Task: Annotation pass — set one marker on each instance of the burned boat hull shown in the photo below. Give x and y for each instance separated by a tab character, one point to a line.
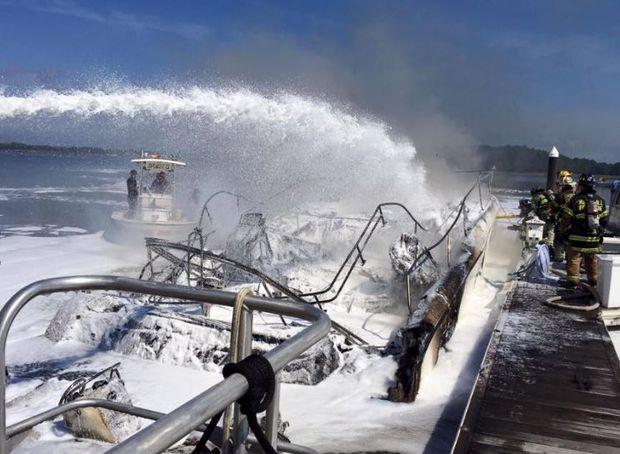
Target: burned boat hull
431	325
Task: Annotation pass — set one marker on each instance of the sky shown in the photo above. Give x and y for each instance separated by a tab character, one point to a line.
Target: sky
447	74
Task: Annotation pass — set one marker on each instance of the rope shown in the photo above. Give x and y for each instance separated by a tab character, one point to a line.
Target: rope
261	379
233	352
201	446
236	322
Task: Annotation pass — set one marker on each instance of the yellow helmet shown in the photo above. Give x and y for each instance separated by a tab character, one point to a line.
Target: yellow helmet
565	173
567	181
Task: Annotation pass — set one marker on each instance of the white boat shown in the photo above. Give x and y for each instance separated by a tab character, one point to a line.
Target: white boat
156	213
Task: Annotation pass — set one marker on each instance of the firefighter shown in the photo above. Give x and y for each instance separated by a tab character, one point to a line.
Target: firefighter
566	191
542	205
585	218
132	193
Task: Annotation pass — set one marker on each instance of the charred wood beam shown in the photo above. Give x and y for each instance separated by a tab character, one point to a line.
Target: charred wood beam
431	325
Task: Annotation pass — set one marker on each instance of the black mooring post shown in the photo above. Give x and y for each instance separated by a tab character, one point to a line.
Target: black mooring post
552	168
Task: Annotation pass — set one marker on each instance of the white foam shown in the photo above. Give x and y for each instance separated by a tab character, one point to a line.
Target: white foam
256	143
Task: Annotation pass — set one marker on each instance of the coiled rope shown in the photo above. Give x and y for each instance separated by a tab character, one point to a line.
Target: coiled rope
261	379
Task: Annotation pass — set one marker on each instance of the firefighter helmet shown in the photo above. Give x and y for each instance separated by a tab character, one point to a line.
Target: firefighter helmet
587	180
567	181
564	173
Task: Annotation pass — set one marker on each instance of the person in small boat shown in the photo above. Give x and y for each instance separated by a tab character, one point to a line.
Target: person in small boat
132	193
585	218
160	183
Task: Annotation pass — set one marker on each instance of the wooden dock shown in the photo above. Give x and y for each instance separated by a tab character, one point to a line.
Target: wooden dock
549	383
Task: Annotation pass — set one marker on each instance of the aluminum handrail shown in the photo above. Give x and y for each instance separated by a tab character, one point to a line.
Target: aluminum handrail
170	428
22	426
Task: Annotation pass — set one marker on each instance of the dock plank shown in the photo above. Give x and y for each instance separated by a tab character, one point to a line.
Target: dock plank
550	382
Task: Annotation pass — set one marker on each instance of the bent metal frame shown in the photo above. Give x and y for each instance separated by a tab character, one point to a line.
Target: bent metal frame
172	427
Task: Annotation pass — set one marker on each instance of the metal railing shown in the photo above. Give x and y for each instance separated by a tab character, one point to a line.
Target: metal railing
483	177
356	253
354	256
205	206
171	427
161	249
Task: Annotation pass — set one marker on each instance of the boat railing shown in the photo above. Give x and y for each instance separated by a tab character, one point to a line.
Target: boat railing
340	278
355	255
485	179
205	206
172	427
162	248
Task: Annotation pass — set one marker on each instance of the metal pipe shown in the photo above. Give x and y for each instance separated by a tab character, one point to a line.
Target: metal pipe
32	421
150	255
205	209
140	412
181	421
273	415
349	262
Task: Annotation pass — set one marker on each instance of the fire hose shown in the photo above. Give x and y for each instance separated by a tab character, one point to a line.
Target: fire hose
562	301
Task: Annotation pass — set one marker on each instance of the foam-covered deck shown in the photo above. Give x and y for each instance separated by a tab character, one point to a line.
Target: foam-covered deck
550	382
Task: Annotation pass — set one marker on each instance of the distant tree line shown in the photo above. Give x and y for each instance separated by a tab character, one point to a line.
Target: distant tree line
519	158
24	147
506	158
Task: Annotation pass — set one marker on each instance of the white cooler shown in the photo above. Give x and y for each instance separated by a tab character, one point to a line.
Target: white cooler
609	279
534	228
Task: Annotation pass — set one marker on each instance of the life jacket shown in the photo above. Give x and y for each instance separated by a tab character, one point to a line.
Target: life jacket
588	215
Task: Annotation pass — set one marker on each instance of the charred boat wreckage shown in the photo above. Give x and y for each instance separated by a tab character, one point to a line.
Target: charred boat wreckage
178	312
